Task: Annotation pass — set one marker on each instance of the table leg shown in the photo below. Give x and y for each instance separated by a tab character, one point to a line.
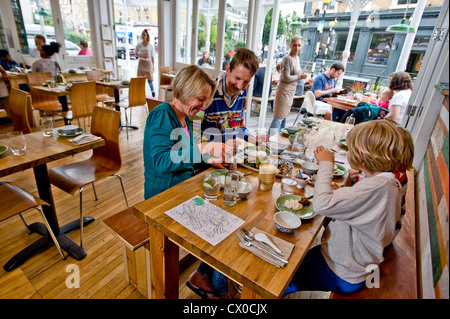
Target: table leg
117	100
65	106
164	260
66	243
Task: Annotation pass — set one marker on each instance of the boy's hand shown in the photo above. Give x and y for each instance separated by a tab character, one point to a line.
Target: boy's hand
322	154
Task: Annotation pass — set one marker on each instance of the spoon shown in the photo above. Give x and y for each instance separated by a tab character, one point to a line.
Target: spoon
262	238
251	237
248	244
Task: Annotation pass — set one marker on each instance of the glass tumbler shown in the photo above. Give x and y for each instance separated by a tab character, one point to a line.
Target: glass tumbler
17	143
46	125
211	186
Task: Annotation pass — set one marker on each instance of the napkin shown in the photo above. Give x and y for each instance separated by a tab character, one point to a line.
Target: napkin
286	248
84	139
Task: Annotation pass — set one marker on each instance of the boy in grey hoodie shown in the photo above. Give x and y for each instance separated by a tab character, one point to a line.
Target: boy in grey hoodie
363	217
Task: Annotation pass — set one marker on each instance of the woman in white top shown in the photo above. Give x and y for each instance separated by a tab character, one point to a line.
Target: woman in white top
401	84
146	54
46	64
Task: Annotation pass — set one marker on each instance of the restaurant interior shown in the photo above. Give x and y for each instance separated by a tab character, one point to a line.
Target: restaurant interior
74	220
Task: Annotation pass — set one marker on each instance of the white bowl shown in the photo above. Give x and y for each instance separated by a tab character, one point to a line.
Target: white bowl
310	168
69	129
292	129
301	182
287	222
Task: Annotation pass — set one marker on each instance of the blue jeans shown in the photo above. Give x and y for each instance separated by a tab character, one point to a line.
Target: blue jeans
151	88
218	280
276	125
314	274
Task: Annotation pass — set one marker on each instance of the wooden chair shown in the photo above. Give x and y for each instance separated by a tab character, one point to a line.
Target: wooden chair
20	110
36	79
104	162
162	79
136	97
152	103
14	201
101	91
83	101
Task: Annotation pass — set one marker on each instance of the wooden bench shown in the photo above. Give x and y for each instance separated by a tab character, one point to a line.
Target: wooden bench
398	271
134	234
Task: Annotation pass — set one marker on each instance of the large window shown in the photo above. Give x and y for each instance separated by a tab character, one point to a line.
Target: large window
183	53
340	46
207	33
76	27
380	47
327	45
235	26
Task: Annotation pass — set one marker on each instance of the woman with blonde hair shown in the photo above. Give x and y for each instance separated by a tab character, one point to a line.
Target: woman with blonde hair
171	155
289	76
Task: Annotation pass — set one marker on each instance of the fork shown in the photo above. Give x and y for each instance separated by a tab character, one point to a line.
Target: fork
248	244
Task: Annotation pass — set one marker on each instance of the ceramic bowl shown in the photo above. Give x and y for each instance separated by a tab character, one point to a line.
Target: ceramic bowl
292	129
244	189
310	168
301	182
277	148
69	129
287	222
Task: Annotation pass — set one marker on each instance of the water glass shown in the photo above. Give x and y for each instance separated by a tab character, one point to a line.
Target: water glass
349	123
211	186
230	192
16	142
288	184
46	125
309	154
299	143
339	133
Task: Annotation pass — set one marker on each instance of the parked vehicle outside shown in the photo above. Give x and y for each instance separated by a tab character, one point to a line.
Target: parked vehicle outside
121	51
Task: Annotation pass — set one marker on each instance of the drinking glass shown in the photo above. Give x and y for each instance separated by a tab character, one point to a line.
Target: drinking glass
46	125
230	192
339	133
349	123
299	143
288	184
309	154
16	142
211	186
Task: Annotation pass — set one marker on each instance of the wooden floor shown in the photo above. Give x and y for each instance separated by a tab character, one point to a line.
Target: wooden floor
102	270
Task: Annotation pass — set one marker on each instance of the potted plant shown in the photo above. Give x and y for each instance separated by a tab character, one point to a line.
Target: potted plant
357	88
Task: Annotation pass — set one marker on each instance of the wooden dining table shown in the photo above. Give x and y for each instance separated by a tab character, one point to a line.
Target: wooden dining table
259	278
41	150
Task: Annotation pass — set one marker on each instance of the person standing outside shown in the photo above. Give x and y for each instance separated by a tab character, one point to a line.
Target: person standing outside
289	77
146	54
39	41
226	112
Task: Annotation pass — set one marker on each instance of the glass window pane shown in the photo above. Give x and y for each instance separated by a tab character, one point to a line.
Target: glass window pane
37	21
379	48
235	26
207	32
76	27
184	32
340	46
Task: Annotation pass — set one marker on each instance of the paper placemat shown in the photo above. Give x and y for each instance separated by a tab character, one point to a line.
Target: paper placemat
286	248
205	219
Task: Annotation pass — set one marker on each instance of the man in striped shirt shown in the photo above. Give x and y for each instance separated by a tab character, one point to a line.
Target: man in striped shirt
224	118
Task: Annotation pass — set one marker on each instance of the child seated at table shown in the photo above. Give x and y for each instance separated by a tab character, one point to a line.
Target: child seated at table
386	96
363	216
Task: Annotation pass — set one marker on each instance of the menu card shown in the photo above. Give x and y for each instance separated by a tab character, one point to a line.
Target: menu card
205	219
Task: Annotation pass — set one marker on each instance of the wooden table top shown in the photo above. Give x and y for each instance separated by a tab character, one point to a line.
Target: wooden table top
343	104
40	150
58	91
257	211
113	84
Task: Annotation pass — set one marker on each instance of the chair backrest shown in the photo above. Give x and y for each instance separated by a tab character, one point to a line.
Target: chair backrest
105	123
152	103
19	108
136	93
83	99
46	102
94	75
165	80
309	103
38	78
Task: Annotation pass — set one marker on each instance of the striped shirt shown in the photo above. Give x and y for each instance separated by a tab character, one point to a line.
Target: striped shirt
225	114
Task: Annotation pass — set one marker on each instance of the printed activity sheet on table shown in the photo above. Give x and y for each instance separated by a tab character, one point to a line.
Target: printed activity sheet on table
205	219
